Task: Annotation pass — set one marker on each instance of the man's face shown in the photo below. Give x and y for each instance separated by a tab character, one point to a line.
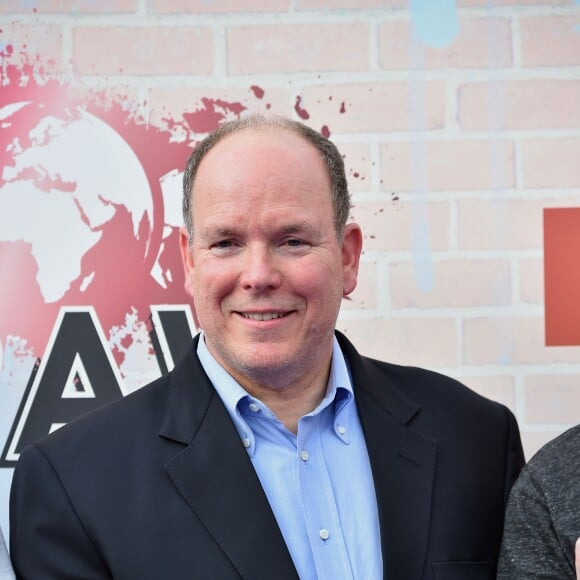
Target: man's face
265	268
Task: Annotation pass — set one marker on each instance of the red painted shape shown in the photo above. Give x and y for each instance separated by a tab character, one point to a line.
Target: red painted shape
258	91
302	113
119	266
562	276
213	112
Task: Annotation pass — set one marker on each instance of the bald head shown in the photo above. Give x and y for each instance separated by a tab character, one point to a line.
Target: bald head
328	152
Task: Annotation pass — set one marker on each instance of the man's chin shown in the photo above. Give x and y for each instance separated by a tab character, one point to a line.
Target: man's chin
275	369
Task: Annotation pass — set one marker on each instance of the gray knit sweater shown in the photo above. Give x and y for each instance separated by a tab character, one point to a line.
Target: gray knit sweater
543	514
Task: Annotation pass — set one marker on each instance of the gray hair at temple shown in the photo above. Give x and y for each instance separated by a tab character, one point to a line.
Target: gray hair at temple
327	149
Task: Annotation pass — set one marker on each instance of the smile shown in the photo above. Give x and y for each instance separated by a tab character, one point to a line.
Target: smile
262	315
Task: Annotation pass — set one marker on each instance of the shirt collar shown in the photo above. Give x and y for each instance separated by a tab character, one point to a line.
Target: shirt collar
339	390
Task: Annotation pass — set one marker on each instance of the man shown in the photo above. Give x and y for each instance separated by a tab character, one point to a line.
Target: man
543	515
273	450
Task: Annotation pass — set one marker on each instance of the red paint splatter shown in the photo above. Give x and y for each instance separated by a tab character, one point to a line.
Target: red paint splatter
127	341
325	131
302	113
258	91
342	108
115	274
211	114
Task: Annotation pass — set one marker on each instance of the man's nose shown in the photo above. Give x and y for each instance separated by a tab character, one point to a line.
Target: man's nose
260	270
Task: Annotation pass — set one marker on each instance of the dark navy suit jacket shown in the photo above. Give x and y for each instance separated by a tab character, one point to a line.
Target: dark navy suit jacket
159	485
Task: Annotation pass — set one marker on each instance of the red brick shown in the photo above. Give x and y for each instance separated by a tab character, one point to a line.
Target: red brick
486	3
349	4
531	104
550	40
533	441
364	296
510	340
531	281
553	398
440	165
456	284
504	224
298	48
389	225
357	165
498	388
169	103
372	107
154	50
29	43
427	342
69	6
217	6
468	50
551	162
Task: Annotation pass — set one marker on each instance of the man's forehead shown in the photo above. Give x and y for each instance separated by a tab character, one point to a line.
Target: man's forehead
248	136
230	158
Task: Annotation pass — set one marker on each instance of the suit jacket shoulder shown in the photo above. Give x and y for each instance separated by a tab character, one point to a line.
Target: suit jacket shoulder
443	461
156	485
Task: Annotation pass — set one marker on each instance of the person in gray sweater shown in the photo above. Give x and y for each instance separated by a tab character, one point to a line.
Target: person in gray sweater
542	521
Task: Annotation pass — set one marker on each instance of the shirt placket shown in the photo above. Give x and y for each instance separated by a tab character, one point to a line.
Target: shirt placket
319	503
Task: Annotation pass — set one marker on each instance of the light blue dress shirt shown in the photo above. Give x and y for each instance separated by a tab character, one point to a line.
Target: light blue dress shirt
319	481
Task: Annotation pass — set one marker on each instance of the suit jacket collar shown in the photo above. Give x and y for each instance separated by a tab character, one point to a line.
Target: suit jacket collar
215	476
402	461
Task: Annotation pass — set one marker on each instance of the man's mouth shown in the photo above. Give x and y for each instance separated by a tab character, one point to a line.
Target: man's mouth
262	316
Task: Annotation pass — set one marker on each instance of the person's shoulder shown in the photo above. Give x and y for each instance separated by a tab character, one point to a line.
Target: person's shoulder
426	384
122	420
412	380
557	447
560	454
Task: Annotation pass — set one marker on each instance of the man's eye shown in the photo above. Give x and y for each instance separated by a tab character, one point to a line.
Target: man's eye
294	243
223	245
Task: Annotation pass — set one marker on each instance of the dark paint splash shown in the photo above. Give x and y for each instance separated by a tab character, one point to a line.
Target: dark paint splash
211	114
302	113
258	91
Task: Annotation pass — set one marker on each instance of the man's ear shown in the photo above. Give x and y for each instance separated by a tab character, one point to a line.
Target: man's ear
187	260
351	251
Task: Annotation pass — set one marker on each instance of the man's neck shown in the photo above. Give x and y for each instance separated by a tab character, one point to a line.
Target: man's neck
293	402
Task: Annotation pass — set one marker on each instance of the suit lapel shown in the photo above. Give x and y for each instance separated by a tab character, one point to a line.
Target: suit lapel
215	476
403	465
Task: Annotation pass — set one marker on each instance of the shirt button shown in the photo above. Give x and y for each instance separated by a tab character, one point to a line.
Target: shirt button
304	455
254	407
324	534
246	442
341	429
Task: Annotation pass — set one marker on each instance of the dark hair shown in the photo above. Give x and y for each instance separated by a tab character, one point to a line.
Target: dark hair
328	152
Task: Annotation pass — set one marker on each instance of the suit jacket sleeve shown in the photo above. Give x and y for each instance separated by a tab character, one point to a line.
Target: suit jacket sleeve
47	540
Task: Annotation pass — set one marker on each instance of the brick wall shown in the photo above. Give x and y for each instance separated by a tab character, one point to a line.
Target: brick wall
452	152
